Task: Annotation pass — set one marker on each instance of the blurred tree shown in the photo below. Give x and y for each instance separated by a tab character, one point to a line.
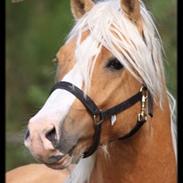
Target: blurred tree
34	32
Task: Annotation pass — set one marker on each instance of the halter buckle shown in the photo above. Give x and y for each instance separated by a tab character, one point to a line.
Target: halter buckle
98	118
142	116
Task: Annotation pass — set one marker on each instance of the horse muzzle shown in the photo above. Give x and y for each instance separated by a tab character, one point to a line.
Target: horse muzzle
43	143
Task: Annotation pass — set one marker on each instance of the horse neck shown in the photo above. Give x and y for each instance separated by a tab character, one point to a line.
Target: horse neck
148	156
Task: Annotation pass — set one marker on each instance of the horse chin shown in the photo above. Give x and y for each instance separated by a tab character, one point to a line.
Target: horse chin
63	163
66	162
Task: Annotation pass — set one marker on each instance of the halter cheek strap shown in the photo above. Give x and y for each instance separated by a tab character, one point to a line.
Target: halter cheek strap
99	115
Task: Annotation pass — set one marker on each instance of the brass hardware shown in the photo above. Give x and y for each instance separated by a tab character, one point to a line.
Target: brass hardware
98	119
142	116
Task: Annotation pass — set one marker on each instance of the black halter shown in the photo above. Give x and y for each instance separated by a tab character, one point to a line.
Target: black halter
99	115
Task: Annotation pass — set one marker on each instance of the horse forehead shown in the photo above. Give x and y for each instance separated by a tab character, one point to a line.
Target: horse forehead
69	47
67	58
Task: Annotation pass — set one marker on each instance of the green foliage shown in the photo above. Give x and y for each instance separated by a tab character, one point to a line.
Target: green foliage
35	29
164	13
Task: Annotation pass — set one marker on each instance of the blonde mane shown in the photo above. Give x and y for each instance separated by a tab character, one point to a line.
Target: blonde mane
142	56
109	27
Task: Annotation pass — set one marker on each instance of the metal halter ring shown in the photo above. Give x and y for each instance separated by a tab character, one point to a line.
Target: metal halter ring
98	119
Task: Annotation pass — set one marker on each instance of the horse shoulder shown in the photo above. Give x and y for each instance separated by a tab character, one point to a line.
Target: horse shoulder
36	173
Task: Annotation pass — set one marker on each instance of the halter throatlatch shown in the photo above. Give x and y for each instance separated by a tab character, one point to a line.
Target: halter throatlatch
99	116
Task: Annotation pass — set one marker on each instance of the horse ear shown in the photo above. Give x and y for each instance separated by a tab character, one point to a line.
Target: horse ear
132	9
80	7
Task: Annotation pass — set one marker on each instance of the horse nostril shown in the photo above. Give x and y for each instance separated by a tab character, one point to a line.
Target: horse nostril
27	134
51	135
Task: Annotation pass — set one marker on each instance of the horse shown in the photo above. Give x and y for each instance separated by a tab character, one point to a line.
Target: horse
109	114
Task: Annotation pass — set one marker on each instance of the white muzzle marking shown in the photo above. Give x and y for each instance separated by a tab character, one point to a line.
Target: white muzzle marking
60	101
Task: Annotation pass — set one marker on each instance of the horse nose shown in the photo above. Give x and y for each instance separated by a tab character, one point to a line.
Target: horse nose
50	135
41	132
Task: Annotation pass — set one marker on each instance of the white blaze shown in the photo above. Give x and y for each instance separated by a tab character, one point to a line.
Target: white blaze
60	101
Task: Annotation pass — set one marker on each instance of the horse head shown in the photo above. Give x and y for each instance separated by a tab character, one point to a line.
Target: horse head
111	52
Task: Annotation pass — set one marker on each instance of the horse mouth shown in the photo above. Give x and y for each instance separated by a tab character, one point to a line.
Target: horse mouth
59	162
63	161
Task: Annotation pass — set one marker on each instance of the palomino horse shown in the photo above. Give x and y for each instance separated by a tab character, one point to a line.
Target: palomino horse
110	112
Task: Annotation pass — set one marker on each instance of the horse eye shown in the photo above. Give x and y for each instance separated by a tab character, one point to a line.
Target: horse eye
114	64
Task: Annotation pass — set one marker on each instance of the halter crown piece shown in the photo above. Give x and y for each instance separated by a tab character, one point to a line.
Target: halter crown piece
99	115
